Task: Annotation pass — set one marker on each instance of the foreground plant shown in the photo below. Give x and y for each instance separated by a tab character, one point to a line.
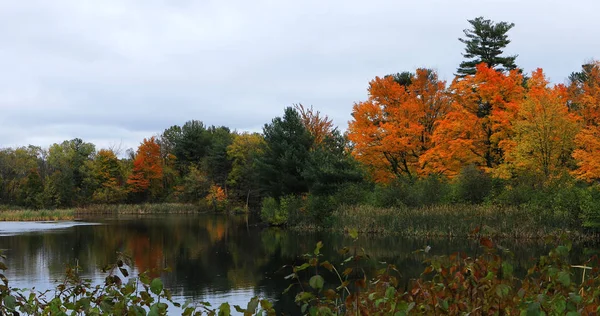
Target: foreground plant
120	294
456	284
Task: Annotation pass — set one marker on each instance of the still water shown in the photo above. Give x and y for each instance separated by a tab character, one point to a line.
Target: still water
213	258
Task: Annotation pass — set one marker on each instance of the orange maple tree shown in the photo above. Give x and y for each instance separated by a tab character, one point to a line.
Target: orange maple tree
474	131
394	127
147	170
585	98
318	126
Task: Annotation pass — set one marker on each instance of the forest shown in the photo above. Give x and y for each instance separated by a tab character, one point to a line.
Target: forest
496	135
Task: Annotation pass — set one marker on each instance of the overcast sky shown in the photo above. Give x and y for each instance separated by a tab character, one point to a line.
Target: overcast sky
114	71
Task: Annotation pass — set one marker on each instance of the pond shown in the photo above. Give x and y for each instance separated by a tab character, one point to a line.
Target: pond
213	258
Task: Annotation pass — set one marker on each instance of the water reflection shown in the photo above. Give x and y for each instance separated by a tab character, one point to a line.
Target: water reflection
214	258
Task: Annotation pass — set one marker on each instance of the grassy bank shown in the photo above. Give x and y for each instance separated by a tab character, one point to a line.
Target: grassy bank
15	214
452	221
146	208
37	215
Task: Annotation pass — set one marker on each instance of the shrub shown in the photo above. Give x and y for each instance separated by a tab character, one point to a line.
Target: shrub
319	209
271	213
472	185
352	194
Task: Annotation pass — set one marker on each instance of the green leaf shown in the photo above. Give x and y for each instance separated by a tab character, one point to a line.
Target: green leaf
10	302
318	248
301	267
224	310
507	270
389	292
316	282
560	305
252	305
156	286
564	278
502	290
575	298
353	233
303	308
239	309
533	309
304	297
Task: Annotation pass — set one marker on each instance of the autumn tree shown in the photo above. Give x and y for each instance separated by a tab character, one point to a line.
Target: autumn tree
319	126
475	129
244	153
108	177
485	43
393	128
584	92
147	173
544	130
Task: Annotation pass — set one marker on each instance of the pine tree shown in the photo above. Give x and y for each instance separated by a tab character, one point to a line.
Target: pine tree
485	43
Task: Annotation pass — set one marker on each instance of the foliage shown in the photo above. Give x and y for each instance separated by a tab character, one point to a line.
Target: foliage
120	294
146	177
393	128
286	150
244	152
543	130
485	43
271	212
472	185
454	284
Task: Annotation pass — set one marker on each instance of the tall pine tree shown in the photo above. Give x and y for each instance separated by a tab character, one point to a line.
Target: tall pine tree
485	43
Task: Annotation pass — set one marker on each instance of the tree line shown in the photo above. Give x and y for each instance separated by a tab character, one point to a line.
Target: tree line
493	120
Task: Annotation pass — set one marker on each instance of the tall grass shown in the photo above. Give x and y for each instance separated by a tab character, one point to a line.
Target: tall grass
37	215
146	208
453	221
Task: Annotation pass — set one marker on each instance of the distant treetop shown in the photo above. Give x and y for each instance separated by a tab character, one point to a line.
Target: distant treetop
485	42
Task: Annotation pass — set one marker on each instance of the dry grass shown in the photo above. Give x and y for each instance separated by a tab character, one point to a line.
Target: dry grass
452	221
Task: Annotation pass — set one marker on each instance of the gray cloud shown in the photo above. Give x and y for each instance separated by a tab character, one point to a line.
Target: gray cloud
114	71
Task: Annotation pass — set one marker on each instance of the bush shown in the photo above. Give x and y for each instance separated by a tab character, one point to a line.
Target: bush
319	209
292	206
287	211
271	213
352	194
472	185
387	195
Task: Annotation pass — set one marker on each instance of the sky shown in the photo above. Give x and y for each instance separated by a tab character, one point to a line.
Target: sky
113	72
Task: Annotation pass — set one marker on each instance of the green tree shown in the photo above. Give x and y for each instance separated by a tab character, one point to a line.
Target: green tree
485	43
67	172
215	162
330	165
287	146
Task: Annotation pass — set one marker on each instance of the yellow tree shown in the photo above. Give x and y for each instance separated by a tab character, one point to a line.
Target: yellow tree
544	130
479	122
393	128
109	177
584	93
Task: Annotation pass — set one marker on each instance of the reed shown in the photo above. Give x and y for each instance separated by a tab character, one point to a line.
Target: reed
454	221
37	215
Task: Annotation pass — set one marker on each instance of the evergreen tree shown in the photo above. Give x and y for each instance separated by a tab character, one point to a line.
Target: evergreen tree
287	146
485	43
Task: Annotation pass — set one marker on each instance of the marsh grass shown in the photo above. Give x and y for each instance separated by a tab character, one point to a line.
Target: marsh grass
454	221
146	208
37	215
